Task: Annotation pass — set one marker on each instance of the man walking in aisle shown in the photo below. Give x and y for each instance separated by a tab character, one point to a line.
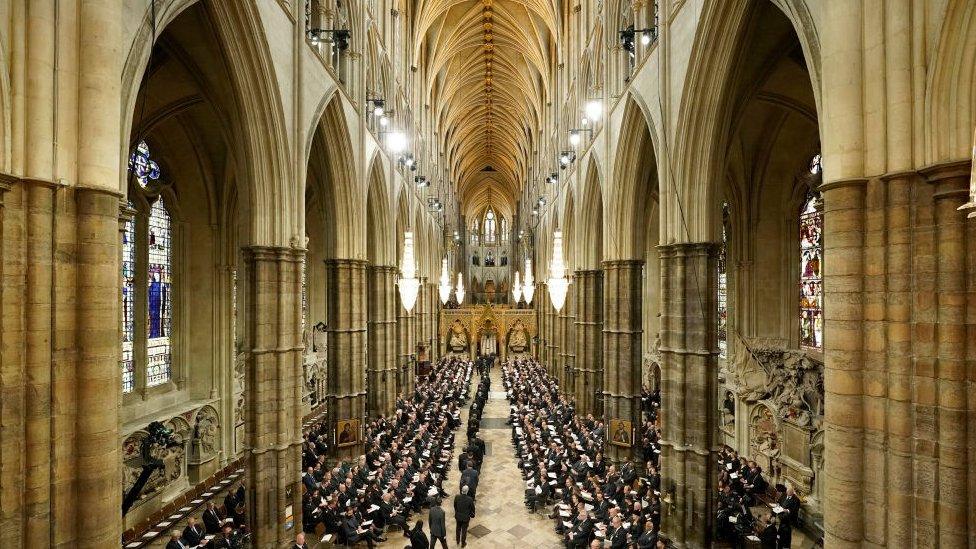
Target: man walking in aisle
463	513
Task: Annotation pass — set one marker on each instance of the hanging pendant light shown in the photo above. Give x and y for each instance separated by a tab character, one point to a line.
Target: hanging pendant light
971	205
558	284
459	290
528	289
517	288
445	286
409	284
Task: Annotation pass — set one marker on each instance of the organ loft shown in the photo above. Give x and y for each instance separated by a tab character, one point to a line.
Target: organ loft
507	273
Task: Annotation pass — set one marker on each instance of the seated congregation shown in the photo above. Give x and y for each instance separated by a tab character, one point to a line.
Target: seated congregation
596	504
407	458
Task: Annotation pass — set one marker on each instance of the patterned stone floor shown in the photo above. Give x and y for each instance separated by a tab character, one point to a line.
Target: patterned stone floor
501	519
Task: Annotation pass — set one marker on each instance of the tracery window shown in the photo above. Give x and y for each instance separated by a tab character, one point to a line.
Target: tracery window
160	299
723	285
147	255
490	227
811	267
128	302
304	297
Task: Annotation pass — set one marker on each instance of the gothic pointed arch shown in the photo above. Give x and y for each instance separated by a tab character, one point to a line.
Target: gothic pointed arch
590	235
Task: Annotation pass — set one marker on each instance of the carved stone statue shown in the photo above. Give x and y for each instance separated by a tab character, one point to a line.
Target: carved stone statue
207	431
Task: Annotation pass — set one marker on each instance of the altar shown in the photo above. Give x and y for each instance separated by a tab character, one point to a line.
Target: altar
487	329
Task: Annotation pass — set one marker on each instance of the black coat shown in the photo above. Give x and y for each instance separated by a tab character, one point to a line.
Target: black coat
463	508
418	539
193	536
211	521
438	528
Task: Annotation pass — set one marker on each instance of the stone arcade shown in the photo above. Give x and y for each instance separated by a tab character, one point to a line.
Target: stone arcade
213	212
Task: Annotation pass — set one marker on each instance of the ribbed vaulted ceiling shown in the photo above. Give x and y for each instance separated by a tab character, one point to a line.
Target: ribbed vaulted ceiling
488	81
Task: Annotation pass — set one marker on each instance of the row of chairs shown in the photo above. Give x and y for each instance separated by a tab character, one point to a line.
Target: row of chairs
180	501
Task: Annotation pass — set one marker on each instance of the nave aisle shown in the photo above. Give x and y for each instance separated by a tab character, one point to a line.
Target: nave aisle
501	518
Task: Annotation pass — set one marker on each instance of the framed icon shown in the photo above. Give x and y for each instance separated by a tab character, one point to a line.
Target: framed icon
347	432
621	432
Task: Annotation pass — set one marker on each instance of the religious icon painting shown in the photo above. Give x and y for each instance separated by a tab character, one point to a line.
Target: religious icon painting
621	432
347	432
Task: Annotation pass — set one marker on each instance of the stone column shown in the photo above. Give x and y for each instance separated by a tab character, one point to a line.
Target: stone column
433	297
898	355
561	342
381	344
551	343
689	352
404	347
569	340
420	319
843	362
347	345
949	375
589	341
12	361
94	462
274	391
622	332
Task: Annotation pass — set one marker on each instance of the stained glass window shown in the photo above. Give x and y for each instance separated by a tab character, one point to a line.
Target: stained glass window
474	232
160	298
144	168
811	272
304	297
128	303
504	231
815	164
490	227
233	308
723	286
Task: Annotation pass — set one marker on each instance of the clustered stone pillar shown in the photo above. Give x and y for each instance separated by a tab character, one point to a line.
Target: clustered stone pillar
405	348
570	341
589	341
689	352
565	338
274	411
381	341
347	346
551	333
540	314
622	332
900	274
433	312
420	319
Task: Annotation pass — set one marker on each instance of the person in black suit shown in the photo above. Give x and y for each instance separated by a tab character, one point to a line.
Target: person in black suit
300	541
648	539
469	478
225	540
579	536
418	539
174	541
438	526
212	519
193	533
617	534
791	502
463	513
768	535
308	479
784	535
